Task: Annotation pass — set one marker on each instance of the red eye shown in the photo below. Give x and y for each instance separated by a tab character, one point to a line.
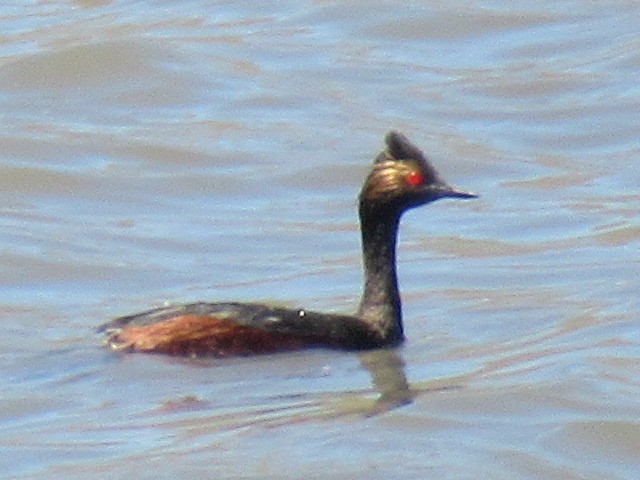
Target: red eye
414	179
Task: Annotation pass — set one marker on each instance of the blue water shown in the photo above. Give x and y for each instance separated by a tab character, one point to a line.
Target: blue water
184	151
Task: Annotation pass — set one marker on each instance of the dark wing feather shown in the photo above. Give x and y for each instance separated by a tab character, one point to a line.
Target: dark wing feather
342	331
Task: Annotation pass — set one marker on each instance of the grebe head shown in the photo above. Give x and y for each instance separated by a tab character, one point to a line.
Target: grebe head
403	178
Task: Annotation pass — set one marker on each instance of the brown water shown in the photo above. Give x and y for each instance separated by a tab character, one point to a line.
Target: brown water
171	151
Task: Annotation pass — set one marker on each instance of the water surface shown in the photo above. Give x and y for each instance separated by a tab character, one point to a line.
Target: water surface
184	151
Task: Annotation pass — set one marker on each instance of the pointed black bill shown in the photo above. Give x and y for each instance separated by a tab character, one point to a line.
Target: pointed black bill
447	191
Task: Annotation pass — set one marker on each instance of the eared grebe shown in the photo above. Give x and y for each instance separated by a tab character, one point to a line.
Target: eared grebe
401	178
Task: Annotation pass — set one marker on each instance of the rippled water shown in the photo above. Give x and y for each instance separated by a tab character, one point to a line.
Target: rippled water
178	151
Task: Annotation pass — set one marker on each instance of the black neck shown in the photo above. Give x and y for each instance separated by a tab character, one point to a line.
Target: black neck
380	306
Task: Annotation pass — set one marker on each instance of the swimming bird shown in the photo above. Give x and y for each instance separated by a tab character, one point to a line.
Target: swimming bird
400	179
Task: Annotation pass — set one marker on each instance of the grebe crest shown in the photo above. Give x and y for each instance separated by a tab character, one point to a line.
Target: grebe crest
403	178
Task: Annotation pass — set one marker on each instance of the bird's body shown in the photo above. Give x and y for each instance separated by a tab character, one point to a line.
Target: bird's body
401	178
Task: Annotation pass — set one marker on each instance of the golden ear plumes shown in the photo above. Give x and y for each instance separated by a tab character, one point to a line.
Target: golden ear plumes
386	180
